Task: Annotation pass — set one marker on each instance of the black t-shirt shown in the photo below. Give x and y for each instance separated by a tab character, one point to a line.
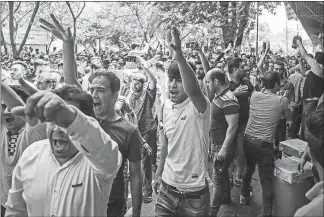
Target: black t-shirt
243	100
130	142
314	86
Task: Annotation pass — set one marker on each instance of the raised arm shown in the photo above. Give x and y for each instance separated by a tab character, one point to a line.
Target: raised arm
189	81
203	57
261	61
151	78
315	66
69	62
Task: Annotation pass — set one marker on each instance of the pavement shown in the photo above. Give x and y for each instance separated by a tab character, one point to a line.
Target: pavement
253	209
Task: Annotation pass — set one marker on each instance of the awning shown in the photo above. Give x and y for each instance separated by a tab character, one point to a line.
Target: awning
311	16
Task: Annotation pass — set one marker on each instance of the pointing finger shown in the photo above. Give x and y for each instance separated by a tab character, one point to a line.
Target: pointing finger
18	111
28	87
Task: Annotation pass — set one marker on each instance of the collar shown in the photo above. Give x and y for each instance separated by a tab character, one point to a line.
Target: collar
315	191
10	134
180	105
222	92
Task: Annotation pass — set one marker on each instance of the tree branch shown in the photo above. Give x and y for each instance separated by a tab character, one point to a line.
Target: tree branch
13	12
69	6
81	10
31	21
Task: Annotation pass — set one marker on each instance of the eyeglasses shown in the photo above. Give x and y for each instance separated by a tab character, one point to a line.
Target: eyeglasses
50	82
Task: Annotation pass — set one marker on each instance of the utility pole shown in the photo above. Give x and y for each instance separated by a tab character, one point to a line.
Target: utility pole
286	33
257	33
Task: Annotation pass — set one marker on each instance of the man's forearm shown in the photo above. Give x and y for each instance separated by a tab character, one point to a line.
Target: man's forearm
151	78
164	153
69	64
204	61
136	191
189	81
230	136
9	97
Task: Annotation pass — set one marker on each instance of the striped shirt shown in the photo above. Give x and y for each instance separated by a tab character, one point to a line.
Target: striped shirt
223	104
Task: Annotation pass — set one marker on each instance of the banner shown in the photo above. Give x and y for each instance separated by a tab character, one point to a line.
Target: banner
36	36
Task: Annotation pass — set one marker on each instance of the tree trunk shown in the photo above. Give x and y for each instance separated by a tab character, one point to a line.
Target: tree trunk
244	18
3	41
49	45
226	27
30	24
11	29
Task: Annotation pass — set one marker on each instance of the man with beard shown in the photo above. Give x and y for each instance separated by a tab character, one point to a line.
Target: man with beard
183	169
16	136
242	89
141	99
71	172
104	87
224	122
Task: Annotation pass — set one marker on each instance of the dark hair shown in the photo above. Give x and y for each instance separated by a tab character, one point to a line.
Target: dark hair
76	94
315	125
234	63
112	77
270	79
319	57
218	74
20	92
174	71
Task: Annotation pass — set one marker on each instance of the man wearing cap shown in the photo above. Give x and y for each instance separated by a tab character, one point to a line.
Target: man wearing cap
141	100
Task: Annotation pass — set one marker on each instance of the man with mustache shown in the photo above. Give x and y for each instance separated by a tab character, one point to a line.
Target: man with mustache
71	172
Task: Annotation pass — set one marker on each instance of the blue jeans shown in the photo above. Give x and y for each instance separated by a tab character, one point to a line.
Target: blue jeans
221	179
259	152
173	203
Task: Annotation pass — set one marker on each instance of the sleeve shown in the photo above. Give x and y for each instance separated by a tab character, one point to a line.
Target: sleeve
230	107
16	205
285	106
96	145
135	144
250	86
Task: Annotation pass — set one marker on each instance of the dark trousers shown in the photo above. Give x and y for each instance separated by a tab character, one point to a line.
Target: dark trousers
221	180
308	107
295	122
3	211
116	208
172	203
147	161
259	152
281	132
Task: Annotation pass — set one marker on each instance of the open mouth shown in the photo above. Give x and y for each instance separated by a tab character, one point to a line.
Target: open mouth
60	144
9	120
172	92
96	104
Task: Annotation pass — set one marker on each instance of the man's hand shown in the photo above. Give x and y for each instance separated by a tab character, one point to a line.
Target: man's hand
174	41
229	47
241	89
147	149
157	183
301	165
141	62
222	154
56	29
45	106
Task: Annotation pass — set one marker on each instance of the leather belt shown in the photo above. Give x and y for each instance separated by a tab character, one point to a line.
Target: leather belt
192	195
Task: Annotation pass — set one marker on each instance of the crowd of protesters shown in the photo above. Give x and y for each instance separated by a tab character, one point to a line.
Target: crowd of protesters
78	130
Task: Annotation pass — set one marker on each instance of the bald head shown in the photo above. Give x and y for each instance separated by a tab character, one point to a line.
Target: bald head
218	74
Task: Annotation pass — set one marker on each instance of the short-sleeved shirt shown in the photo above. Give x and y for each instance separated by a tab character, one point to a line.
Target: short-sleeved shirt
187	131
243	100
266	109
130	142
223	104
11	148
